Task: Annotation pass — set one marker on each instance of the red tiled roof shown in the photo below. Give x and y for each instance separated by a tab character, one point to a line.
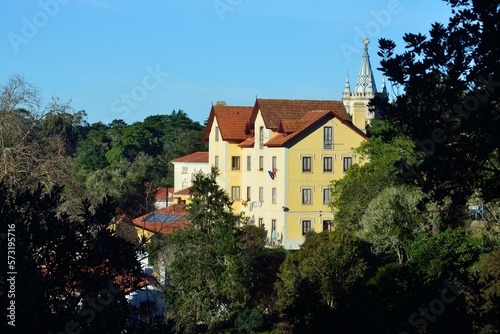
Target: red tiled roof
163	221
249	142
290	129
183	192
274	111
232	121
163	193
201	157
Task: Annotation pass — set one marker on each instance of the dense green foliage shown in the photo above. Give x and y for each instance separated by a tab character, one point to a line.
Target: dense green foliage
321	279
405	255
211	265
129	162
70	272
449	107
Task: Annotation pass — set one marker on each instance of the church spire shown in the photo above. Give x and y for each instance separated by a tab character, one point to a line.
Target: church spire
347	87
384	88
366	82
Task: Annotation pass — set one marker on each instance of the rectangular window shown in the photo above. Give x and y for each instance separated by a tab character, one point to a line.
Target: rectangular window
273	225
327	225
327	164
306	226
184	169
261	163
306	196
273	195
249	163
216	133
347	162
327	137
306	164
249	191
261	194
216	164
235	163
261	222
261	137
273	164
235	193
327	195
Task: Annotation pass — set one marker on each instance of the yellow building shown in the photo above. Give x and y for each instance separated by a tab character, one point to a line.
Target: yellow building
277	158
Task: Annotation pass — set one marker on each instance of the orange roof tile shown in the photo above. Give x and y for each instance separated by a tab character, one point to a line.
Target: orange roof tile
183	192
163	221
290	129
201	157
163	193
274	111
232	121
249	142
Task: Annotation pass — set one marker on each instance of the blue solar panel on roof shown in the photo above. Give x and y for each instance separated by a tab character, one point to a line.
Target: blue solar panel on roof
160	218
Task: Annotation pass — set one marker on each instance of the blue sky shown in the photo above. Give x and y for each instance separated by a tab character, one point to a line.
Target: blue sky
129	59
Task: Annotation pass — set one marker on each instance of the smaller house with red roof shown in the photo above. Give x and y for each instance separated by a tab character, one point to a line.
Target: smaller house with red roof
186	167
164	197
162	221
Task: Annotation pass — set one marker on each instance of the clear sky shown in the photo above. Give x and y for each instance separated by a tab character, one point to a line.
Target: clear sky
128	59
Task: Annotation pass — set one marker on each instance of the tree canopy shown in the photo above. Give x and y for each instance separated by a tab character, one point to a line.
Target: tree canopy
70	272
449	105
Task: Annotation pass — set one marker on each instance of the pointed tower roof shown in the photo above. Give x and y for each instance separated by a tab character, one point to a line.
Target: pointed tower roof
366	82
347	87
383	90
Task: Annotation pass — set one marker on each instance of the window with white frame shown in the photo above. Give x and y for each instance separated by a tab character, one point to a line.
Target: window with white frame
235	193
306	226
217	133
249	191
249	162
327	137
216	163
261	163
235	163
327	195
273	195
327	164
274	163
261	222
261	194
184	169
306	164
306	195
346	163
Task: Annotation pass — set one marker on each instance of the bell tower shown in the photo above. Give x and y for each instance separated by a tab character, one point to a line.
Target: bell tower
356	102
